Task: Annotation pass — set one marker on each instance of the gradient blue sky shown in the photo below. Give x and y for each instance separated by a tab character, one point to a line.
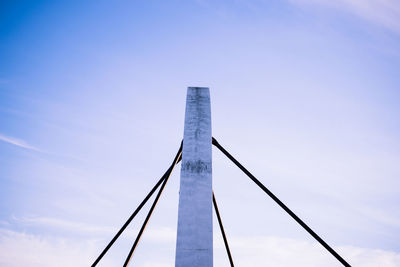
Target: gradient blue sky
304	92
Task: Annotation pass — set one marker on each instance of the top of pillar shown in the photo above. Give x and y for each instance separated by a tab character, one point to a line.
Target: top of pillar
195	92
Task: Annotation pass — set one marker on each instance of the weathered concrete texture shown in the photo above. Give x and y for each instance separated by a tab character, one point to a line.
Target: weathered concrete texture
194	246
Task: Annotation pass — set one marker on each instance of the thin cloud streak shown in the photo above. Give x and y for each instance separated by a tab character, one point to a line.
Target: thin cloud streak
279	251
155	234
385	13
43	251
17	142
247	251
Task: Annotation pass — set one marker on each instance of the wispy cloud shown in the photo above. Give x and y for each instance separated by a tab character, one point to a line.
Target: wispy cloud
247	251
380	216
279	251
385	13
65	225
158	234
17	142
43	251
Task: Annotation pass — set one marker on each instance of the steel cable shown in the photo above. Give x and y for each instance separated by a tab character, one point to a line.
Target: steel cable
281	204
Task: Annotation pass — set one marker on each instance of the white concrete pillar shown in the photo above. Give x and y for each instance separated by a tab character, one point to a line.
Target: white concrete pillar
194	245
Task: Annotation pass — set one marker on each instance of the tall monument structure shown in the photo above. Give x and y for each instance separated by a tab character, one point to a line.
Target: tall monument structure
194	245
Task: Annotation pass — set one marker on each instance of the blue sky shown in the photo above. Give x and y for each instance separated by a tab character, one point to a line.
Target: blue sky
304	93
